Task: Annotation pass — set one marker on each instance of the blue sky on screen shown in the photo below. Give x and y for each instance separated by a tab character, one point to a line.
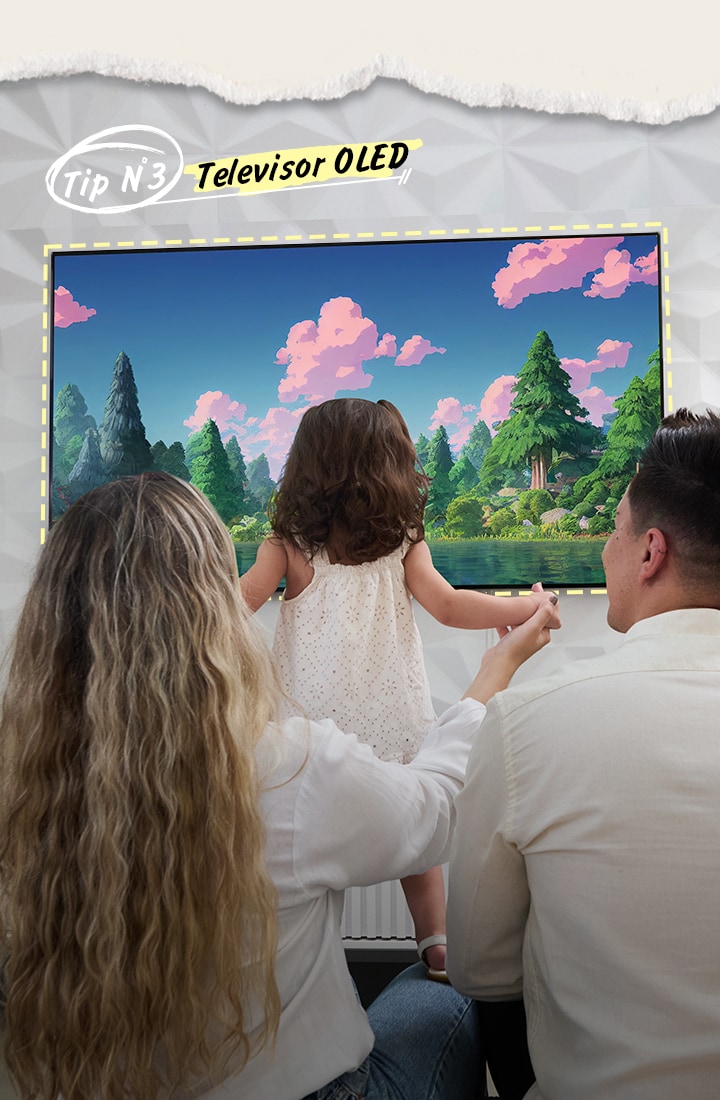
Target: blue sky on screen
252	336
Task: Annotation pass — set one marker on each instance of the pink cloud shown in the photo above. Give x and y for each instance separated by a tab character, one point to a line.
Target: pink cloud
495	404
558	263
215	405
597	402
272	436
414	351
452	415
387	346
648	267
68	311
610	353
619	271
328	356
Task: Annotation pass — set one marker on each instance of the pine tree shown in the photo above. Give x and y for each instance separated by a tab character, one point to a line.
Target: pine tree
170	459
70	422
545	417
464	475
438	466
210	471
175	463
422	446
630	431
158	452
250	505
477	444
89	470
71	415
439	454
259	480
653	383
123	445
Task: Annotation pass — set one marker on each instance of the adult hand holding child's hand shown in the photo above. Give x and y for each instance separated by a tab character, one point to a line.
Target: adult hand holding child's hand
501	661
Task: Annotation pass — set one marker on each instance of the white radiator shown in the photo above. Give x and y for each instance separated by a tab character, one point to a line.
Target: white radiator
377	913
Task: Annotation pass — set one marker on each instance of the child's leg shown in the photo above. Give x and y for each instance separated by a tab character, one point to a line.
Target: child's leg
425	895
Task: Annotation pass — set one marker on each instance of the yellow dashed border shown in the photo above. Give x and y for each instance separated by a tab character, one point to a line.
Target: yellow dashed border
409	234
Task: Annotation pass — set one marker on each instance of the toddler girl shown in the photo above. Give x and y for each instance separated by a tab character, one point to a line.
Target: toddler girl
348	538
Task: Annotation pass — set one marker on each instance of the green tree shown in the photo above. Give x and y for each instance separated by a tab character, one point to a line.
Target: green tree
439	454
502	522
250	504
532	504
653	381
422	446
70	422
464	476
158	452
466	516
71	416
259	481
64	458
175	461
596	492
210	471
545	417
630	432
170	459
495	474
477	444
438	466
89	469
123	445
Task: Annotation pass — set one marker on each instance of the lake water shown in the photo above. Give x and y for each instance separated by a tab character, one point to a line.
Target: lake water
502	563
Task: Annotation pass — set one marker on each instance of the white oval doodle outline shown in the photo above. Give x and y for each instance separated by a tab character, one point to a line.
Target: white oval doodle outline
89	144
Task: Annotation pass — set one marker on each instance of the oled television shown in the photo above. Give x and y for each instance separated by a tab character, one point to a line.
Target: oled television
528	370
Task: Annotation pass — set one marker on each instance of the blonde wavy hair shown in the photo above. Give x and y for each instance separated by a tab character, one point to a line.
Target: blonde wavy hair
139	919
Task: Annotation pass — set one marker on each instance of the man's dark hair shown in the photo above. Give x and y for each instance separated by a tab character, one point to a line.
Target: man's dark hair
677	489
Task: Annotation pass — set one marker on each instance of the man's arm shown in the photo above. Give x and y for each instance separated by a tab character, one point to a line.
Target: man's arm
488	897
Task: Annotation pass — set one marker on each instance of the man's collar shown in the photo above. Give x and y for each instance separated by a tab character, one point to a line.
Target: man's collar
683	620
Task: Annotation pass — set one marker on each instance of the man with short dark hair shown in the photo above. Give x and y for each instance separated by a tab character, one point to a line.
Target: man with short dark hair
585	875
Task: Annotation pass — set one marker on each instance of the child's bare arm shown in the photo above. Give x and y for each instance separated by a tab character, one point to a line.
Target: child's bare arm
501	661
462	607
263	577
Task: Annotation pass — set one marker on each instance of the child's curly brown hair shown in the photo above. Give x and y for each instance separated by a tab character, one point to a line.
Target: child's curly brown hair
351	479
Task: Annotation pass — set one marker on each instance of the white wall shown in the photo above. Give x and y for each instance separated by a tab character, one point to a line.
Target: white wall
655	50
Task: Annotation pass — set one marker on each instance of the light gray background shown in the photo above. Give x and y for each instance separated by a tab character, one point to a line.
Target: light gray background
478	167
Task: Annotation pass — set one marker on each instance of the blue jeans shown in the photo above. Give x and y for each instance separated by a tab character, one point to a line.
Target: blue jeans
427	1046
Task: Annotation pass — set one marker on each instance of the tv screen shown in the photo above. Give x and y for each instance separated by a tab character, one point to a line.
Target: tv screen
528	370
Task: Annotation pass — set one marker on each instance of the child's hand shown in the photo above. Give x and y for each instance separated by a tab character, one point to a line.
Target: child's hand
501	661
536	599
522	641
538	595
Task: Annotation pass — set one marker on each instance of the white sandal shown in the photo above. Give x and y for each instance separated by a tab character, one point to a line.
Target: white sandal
432	941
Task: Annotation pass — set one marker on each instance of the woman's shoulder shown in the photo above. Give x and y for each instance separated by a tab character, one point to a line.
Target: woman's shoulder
297	747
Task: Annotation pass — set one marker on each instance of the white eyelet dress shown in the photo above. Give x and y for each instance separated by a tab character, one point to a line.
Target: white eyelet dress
348	649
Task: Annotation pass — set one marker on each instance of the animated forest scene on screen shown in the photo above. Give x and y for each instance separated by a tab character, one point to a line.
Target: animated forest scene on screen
528	371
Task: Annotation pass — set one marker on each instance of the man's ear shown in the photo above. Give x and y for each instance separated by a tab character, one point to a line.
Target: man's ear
655	554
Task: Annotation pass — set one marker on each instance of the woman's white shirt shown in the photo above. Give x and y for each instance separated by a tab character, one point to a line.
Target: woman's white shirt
337	816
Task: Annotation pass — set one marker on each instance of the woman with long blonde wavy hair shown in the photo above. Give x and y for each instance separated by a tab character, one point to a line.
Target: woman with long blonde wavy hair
172	861
137	906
